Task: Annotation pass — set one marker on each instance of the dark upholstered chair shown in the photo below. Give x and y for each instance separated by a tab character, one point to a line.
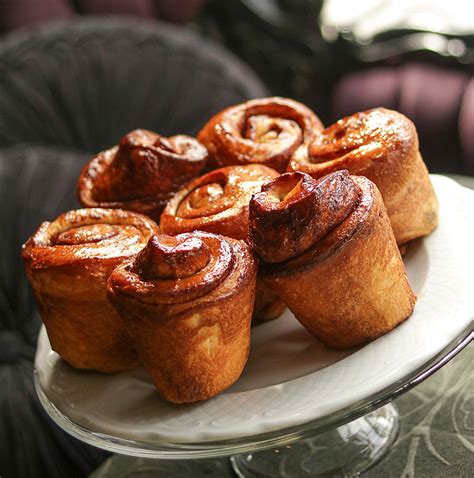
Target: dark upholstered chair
65	92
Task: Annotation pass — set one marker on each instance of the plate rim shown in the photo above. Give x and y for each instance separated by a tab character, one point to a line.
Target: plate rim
260	441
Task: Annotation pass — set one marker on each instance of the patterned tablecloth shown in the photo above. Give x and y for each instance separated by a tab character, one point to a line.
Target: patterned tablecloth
436	426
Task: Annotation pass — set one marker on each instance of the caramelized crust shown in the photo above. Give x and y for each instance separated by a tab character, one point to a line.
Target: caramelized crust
265	131
141	173
68	262
218	202
381	145
187	301
287	207
343	278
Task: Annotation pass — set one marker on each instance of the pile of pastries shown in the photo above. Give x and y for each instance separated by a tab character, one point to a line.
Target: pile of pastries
183	242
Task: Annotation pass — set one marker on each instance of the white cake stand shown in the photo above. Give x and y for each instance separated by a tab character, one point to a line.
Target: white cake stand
318	411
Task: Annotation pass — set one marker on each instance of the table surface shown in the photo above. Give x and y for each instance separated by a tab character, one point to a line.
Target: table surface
436	436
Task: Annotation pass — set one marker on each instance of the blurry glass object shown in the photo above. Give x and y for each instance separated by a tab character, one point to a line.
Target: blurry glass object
383	29
415	57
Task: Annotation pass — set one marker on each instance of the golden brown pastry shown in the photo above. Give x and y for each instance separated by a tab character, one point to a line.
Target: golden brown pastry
381	145
141	173
68	262
187	301
328	250
218	202
265	131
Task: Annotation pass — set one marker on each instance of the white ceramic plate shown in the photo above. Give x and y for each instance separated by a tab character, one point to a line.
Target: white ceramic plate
290	378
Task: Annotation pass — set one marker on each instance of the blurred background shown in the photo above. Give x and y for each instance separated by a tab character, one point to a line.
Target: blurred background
75	75
337	56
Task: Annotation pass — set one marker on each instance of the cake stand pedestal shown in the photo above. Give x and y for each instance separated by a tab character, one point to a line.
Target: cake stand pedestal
343	451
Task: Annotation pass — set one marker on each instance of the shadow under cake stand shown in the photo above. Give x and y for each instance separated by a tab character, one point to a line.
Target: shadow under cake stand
299	409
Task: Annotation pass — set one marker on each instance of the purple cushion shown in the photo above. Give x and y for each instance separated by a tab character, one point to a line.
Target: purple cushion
466	126
432	96
139	8
22	13
363	90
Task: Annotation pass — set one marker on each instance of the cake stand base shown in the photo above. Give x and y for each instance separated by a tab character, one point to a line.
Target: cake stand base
124	466
344	451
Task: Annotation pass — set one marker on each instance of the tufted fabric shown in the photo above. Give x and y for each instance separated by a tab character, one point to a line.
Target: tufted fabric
87	83
66	92
35	184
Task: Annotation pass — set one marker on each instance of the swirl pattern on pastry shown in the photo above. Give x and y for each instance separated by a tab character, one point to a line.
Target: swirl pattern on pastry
216	202
265	131
328	250
89	234
68	262
381	145
187	301
287	207
141	173
173	268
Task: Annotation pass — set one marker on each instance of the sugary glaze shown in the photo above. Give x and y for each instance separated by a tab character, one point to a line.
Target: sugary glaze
297	220
171	269
381	145
187	301
88	234
332	256
264	131
141	173
358	139
178	270
216	202
294	211
68	262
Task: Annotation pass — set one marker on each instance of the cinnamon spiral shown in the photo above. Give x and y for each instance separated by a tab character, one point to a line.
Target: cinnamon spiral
381	145
68	262
187	301
265	131
293	212
328	250
219	202
216	202
141	173
177	269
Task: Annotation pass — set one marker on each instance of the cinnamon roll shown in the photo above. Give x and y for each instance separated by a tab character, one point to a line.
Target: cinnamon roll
381	145
68	262
141	173
265	131
187	301
327	248
218	202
